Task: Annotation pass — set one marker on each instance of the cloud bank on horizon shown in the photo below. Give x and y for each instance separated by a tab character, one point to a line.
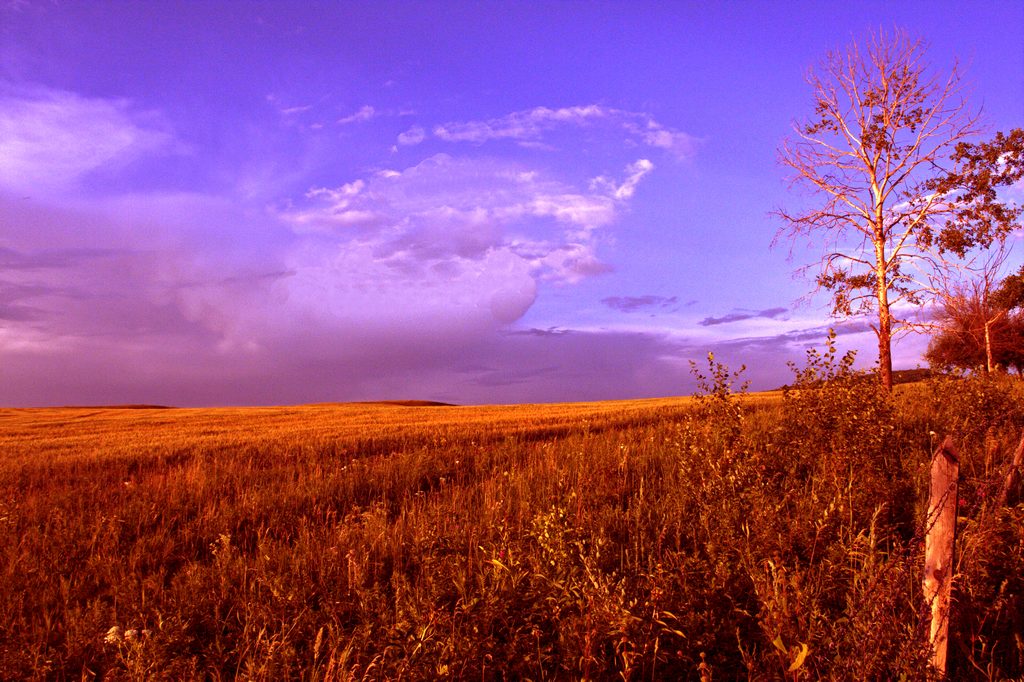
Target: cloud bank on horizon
281	244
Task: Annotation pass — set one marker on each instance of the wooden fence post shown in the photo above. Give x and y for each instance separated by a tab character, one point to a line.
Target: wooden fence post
940	527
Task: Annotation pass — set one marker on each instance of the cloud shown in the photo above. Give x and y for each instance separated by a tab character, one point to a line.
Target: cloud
185	297
15	301
769	313
802	336
471	239
365	113
152	269
520	125
413	136
631	304
680	144
510	303
448	214
533	331
185	313
346	365
637	170
529	127
53	138
621	192
12	260
390	281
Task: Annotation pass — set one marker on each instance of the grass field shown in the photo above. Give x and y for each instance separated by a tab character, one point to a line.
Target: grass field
761	537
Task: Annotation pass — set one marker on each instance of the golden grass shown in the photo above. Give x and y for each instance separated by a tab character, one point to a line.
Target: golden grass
86	432
386	541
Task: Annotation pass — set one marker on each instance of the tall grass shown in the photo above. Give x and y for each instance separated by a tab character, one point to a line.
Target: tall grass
728	536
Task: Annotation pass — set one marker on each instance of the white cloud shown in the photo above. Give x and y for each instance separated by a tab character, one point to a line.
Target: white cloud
320	221
529	126
637	170
358	284
455	226
413	136
503	191
365	113
585	212
520	125
680	144
570	263
52	138
340	194
621	192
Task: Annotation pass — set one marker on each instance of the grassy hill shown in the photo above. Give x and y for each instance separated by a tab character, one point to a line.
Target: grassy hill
632	539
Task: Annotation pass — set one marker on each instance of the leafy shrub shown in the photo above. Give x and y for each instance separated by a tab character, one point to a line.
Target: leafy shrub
718	399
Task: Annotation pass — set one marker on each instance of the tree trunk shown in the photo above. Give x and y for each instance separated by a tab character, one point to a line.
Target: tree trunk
989	364
884	320
988	347
885	350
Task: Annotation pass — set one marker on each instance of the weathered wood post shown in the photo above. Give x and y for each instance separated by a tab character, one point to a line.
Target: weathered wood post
940	527
1016	464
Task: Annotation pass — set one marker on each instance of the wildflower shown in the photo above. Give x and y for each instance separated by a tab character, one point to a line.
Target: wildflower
131	635
113	635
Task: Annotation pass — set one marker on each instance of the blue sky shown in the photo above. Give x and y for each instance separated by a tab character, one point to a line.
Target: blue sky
280	202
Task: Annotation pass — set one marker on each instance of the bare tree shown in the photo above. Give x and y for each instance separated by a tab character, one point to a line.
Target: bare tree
979	320
884	157
969	311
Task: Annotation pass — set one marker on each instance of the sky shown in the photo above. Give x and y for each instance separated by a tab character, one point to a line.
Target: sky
237	203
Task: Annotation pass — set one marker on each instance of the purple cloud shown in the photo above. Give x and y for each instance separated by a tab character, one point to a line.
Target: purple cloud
47	258
769	313
632	304
794	338
205	305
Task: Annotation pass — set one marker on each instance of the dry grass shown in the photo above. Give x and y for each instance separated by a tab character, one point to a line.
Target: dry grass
383	541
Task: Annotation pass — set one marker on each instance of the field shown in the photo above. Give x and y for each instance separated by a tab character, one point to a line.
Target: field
720	537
